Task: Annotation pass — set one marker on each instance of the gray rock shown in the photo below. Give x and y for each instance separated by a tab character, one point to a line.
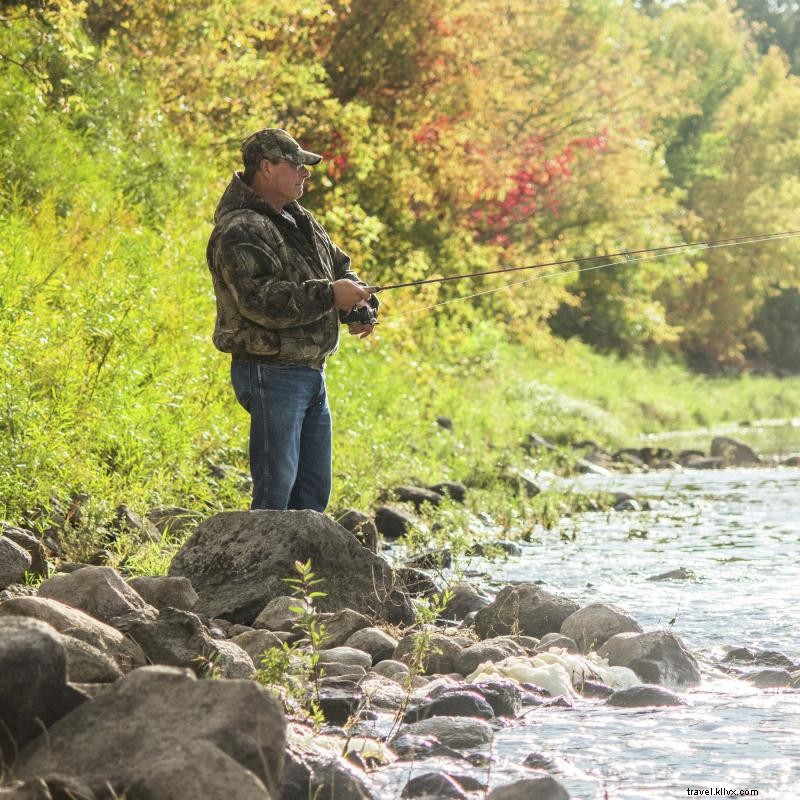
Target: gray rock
504	697
341	625
417	496
679	574
433	784
125	652
33	683
361	526
527	609
417	582
339	699
237	562
337	780
438	656
87	664
333	669
438	559
127	521
466	599
703	462
16	590
771	678
493	650
458	733
645	695
280	614
384	692
557	640
733	452
101	593
395	670
543	788
29	541
174	519
452	489
254	643
15	561
165	592
346	655
393	522
198	769
232	661
592	625
454	703
117	737
374	641
657	657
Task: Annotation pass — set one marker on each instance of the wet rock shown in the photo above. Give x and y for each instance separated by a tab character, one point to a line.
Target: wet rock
237	561
198	769
346	655
339	700
341	625
416	582
374	641
541	761
679	574
30	542
254	643
594	689
431	785
337	780
771	679
657	657
162	592
703	462
543	788
101	593
466	599
87	664
125	653
127	521
592	625
501	545
33	683
733	452
628	505
765	658
116	737
455	491
454	703
645	695
458	733
526	608
434	559
174	519
280	614
557	640
494	650
361	526
439	655
504	697
393	522
15	561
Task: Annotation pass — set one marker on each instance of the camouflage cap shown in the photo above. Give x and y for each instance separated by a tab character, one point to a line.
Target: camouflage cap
274	143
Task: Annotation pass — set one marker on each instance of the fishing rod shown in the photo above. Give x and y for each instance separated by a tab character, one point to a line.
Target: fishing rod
628	254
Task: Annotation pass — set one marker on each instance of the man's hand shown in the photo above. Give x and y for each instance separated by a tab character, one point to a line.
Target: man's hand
360	330
348	294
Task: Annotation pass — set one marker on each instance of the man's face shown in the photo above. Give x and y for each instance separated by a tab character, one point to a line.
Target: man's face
286	179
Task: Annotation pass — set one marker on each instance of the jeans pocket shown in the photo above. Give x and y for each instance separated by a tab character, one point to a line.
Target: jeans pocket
241	378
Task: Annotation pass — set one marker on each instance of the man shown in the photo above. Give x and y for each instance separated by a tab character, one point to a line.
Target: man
280	284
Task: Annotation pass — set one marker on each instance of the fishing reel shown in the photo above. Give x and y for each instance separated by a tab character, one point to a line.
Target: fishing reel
362	315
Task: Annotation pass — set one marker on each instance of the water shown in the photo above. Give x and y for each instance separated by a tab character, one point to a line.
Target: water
737	531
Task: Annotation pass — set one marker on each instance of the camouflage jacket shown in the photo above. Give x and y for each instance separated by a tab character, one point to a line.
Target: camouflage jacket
272	280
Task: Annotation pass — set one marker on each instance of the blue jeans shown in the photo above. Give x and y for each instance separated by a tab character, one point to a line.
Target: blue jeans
290	434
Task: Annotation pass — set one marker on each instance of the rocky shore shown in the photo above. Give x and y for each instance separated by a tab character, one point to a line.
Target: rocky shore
222	679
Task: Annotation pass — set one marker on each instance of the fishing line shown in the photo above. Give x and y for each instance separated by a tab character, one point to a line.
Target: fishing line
652	253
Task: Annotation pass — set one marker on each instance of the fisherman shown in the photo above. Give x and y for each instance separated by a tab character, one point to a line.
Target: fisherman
282	287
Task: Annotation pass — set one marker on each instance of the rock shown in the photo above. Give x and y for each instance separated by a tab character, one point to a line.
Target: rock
280	614
374	641
544	788
628	505
466	599
393	522
361	526
15	561
341	625
433	559
87	664
470	658
519	480
395	670
433	784
417	496
237	562
644	695
492	549
333	669
163	592
592	625
504	697
33	684
679	574
526	608
533	442
791	461
416	582
254	643
733	452
174	520
444	422
657	657
127	521
771	678
117	737
28	541
702	462
458	733
198	769
454	703
101	593
339	699
557	640
16	590
346	655
587	466
594	689
540	761
337	780
455	491
231	661
126	653
767	658
438	654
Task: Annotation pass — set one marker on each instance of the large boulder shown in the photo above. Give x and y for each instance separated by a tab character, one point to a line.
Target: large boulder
733	452
164	592
33	683
592	625
79	625
459	733
658	657
237	562
526	609
15	561
436	651
101	593
118	737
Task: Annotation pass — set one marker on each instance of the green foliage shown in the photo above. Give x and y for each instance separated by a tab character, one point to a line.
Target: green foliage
778	322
